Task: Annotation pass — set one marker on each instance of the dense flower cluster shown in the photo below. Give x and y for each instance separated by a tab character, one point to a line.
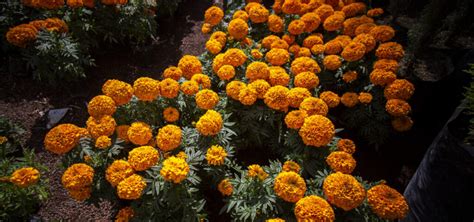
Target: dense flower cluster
24	34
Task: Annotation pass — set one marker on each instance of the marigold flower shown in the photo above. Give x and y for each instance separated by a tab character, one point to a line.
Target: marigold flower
250	5
213	46
365	40
80	194
260	86
334	22
257	70
25	177
294	49
258	13
3	139
234	57
219	36
397	107
349	76
354	9
382	77
277	98
387	65
174	169
332	47
402	123
295	119
296	27
340	161
146	89
131	188
279	44
21	35
330	98
324	11
143	158
375	12
382	33
289	186
139	133
238	28
311	21
351	24
313	208
317	131
213	15
364	28
169	137
171	114
303	52
210	124
118	171
290	39
233	89
256	171
304	64
203	80
103	142
55	25
346	145
278	76
291	166
275	220
169	88
189	87
248	96
241	15
256	54
124	214
350	99
318	49
296	95
206	28
353	52
225	187
226	72
77	176
207	99
120	92
399	89
190	65
332	62
291	6
386	202
390	50
343	191
314	106
312	40
216	155
269	40
277	56
275	23
365	98
62	138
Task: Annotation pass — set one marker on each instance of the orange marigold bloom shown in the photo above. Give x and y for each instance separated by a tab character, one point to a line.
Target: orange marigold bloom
234	57
103	142
397	107
291	6
169	88
210	124
118	171
295	119
257	70
25	177
365	98
277	98
103	126
304	52
226	72
279	44
314	106
386	64
256	171
258	14
390	50
101	105
120	92
307	80
353	52
277	57
312	40
330	98
291	166
260	86
277	5
62	138
256	54
247	96
190	65
314	208
317	131
381	77
311	21
295	48
289	186
171	114
332	62
80	194
173	72
296	95
343	191
350	99
349	76
169	137
174	169
278	76
241	15
340	161
131	188
77	176
354	9
238	28
304	64
375	12
351	24
124	214
402	124
216	155
21	35
275	23
386	202
367	40
213	46
290	39
250	5
122	131
213	15
399	89
332	47
333	22
296	27
203	80
318	49
382	33
269	40
146	89
364	28
189	87
206	28
324	11
233	89
143	158
346	145
225	187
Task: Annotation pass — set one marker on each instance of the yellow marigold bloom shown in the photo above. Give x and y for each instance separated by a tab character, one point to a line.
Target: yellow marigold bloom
313	208
80	194
21	35
350	99
277	57
131	188
146	89
3	140
248	96
77	176
219	36
207	99
103	142
256	54
216	155
275	23
318	49
317	131
256	171
340	161
387	65
294	49
118	171
307	80
241	15
397	107
275	220
382	33
120	92
382	77
365	98
296	95
332	62
182	155
62	138
314	106
390	50
311	21
351	24
364	28
365	39
173	72
312	40
324	11
304	64
174	169
296	27
257	70
278	76
143	158
349	76
171	114
295	119
330	98
213	15
289	186
233	89
354	9
206	28
225	187
343	191
258	13
332	47
234	57
291	6
189	87
399	89
291	166
260	86
124	214
169	88
238	28
203	80
139	133
402	124
387	203
213	46
210	124
25	177
277	98
333	22
290	39
375	12
353	52
190	65
346	145
226	72
169	137
304	52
